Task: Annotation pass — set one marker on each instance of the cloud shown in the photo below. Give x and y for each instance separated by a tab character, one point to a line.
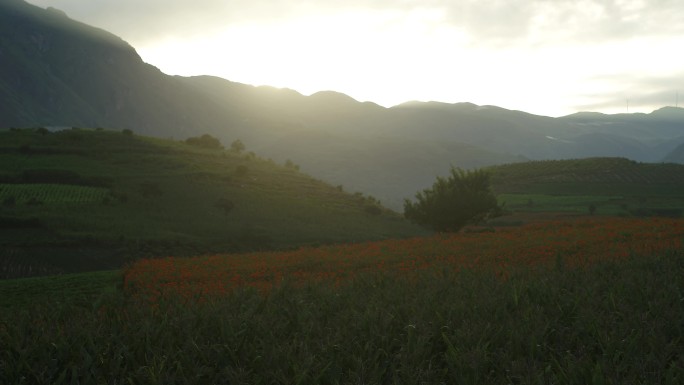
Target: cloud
563	21
491	22
144	20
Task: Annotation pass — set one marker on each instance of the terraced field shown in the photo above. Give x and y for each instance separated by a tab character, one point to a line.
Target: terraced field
22	194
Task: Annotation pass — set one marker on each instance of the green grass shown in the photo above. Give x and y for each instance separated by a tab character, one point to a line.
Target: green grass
66	290
614	186
604	204
539	202
614	323
599	170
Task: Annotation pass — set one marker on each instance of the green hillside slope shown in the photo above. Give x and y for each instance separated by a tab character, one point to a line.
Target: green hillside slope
609	185
79	200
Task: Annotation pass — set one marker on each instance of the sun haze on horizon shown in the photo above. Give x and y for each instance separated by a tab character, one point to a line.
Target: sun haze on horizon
547	58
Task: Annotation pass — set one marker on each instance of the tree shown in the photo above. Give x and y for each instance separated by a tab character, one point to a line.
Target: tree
462	198
237	146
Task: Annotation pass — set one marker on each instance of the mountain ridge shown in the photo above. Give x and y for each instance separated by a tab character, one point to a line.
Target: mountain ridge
104	83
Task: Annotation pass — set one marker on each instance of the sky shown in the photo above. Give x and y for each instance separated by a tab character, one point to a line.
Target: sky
547	57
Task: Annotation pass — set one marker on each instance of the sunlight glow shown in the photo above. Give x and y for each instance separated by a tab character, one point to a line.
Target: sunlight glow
390	57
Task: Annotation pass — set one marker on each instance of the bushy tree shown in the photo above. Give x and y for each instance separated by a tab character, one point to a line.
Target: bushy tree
463	198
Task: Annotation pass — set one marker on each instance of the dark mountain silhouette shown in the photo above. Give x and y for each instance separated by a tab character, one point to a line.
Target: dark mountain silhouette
55	71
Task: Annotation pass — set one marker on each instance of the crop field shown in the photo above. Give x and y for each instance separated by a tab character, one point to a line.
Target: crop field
589	301
571	244
51	193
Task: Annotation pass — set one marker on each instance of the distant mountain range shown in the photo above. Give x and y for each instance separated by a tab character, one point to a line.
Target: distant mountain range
55	71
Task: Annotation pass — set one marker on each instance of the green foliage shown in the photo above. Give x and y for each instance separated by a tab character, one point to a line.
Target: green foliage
127	132
205	141
462	198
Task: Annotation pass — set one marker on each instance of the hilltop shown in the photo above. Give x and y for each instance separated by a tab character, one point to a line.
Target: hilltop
80	199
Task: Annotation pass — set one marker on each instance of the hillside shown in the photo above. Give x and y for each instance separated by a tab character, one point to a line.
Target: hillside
81	199
590	175
55	71
607	186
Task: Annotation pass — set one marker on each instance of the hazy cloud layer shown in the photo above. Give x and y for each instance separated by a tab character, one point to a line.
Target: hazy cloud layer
486	21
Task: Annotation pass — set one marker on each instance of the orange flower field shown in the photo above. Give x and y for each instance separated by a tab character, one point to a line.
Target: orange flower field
570	244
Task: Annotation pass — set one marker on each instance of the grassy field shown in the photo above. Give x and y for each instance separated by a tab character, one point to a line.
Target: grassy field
613	205
67	290
84	200
595	301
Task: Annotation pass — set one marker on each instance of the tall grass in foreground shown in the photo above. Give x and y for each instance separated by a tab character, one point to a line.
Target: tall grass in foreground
614	321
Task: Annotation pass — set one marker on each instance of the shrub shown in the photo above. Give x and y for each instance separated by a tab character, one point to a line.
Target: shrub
463	198
205	141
